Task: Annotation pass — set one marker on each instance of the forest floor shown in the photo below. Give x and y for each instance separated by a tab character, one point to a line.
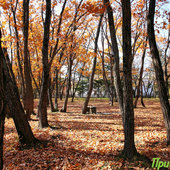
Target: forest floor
91	141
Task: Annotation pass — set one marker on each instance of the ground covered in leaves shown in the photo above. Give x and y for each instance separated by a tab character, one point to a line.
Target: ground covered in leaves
91	141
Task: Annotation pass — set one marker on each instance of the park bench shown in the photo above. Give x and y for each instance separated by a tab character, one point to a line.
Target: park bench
91	110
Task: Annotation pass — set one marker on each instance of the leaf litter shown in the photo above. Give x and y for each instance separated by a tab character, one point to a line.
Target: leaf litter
91	141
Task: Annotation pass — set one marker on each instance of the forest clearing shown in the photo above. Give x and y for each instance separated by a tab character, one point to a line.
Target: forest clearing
91	141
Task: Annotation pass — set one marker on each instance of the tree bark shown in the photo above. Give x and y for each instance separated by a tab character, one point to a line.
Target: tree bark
11	98
42	108
125	96
2	122
158	69
29	96
112	80
141	91
18	54
129	144
167	76
61	89
75	90
104	72
84	110
2	106
140	77
106	82
50	96
71	57
56	89
64	108
115	56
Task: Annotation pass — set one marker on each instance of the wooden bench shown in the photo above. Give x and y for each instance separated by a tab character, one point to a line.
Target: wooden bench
91	110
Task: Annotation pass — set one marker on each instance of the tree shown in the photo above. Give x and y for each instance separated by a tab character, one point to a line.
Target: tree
10	96
115	55
71	56
109	90
158	68
12	99
42	107
68	87
129	145
13	9
84	110
140	77
29	97
125	95
78	82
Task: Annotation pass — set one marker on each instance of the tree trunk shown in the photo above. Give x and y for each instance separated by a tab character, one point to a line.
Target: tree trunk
62	89
106	81
56	90
125	96
115	56
64	108
42	108
167	76
2	106
43	103
2	122
74	92
50	96
70	63
104	72
18	55
29	96
140	77
82	68
84	110
11	97
158	69
141	91
112	81
129	145
74	88
37	88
